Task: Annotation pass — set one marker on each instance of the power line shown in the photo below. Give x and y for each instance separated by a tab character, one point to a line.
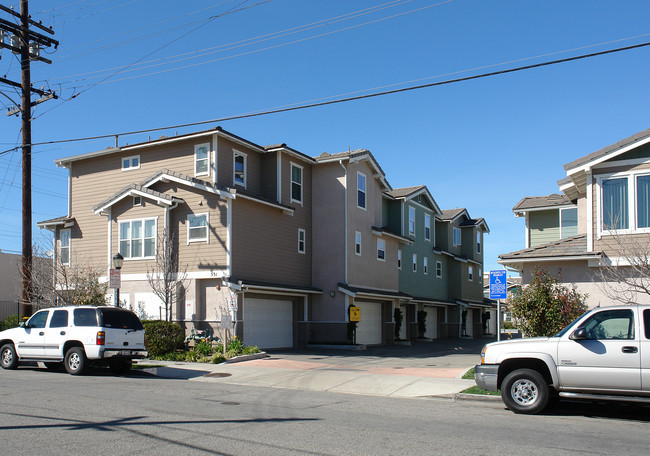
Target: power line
344	100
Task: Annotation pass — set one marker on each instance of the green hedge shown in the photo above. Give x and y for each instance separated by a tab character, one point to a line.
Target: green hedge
163	337
10	322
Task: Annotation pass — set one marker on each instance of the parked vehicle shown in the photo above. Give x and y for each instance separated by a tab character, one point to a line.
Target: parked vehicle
602	355
75	337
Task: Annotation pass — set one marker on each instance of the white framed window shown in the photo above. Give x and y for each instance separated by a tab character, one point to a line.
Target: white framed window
302	240
427	227
64	247
357	243
361	190
296	183
470	273
415	262
202	159
239	168
381	250
137	201
480	274
137	238
623	203
425	265
439	269
457	236
568	222
411	221
478	241
130	163
399	260
197	227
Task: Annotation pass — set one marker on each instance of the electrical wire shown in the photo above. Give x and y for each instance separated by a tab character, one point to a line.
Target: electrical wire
347	99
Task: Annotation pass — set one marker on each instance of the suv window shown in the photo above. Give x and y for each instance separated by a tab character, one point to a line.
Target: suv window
646	323
85	317
611	324
119	318
38	320
59	319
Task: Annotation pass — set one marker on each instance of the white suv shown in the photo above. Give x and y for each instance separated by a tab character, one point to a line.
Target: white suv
75	337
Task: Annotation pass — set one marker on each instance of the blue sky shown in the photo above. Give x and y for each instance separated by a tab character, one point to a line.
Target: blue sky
481	144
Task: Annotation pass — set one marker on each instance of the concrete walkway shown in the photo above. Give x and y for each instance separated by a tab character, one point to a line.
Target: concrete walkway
423	369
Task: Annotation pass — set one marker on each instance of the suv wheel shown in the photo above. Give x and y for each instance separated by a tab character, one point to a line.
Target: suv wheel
8	357
525	391
75	361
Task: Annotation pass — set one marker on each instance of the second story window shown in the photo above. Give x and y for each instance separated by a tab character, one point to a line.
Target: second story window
568	222
296	183
415	263
470	273
399	260
197	228
411	221
615	204
439	269
357	243
239	168
302	242
457	236
64	247
478	242
138	238
425	265
202	160
129	163
427	227
361	190
381	250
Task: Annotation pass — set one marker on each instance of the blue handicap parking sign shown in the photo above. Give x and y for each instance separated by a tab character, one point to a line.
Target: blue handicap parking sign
498	284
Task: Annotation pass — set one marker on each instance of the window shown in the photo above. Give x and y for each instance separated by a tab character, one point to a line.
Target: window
615	204
59	319
85	317
138	238
202	159
301	240
137	201
439	269
38	320
478	242
129	163
624	202
427	227
381	250
411	221
643	201
470	273
197	228
425	266
64	248
357	243
361	190
296	183
415	262
239	168
457	236
399	260
568	222
610	324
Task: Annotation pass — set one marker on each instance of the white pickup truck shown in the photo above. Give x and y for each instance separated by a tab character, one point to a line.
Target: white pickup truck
602	355
75	337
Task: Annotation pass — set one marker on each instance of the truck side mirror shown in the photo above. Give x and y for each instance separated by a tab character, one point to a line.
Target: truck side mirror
579	334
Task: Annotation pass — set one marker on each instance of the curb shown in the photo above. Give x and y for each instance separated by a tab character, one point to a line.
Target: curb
358	347
240	358
476	397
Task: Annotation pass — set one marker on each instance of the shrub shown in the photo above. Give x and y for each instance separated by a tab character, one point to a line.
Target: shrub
10	322
192	356
163	337
235	345
217	358
251	350
232	353
204	347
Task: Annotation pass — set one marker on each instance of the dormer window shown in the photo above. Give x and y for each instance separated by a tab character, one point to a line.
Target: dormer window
202	160
129	163
239	168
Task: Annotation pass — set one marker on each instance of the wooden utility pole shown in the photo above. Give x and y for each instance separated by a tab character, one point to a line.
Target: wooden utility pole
26	45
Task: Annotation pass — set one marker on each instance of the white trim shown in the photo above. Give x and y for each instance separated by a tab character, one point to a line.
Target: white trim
302	183
69	231
527	233
470	273
357	234
130	159
414	265
164	177
383	249
548	259
632	222
438	276
208	159
143	220
109	246
592	163
214	163
229	238
205	239
543	208
235	153
590	213
365	191
427	239
304	241
69	192
425	265
134	192
415	219
616	163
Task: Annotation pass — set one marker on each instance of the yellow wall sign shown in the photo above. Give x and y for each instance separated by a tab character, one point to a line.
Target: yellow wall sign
355	313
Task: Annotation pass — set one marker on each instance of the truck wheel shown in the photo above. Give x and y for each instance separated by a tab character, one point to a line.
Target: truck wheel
8	357
75	361
525	391
120	367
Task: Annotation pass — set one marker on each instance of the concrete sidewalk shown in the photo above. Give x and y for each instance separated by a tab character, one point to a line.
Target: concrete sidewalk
424	369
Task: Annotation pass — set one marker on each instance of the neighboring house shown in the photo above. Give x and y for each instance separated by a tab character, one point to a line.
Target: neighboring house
285	241
10	284
604	209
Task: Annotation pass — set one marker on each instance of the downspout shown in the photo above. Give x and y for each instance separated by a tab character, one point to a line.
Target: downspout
345	218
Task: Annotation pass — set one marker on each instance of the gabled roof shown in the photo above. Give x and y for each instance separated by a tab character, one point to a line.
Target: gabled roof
449	215
64	222
529	203
412	192
136	190
475	222
354	156
572	248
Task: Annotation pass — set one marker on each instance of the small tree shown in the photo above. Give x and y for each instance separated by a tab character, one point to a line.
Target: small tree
165	276
544	307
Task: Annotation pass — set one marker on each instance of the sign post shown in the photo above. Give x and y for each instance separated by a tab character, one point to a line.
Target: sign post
498	291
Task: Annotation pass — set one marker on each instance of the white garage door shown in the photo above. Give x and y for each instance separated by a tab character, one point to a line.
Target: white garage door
268	323
431	322
369	328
